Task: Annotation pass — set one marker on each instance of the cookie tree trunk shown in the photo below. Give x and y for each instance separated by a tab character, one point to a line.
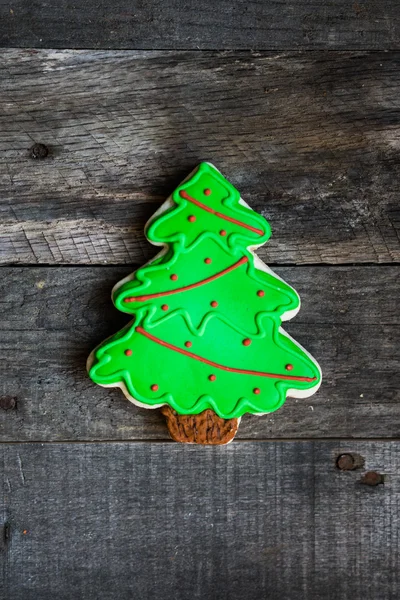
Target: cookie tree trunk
204	428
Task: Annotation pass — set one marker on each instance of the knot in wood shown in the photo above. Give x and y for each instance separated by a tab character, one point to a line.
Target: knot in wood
38	151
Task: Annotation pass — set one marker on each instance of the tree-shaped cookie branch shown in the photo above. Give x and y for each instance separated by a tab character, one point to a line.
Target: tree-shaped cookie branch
206	341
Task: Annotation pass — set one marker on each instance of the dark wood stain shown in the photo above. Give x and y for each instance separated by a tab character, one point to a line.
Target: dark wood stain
154	24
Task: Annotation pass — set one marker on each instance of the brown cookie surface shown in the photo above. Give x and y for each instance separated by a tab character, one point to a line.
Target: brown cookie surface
206	428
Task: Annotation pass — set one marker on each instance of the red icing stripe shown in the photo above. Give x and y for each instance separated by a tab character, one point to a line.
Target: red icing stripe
237	264
186	196
218	366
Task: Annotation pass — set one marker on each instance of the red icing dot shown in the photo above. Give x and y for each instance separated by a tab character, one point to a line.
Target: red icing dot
128	352
188	344
246	342
260	293
212	377
191	218
207	192
165	307
207	261
289	367
154	387
222	232
174	277
214	303
256	391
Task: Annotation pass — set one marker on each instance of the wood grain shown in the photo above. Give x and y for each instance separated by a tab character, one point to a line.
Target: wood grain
253	520
154	24
311	140
51	318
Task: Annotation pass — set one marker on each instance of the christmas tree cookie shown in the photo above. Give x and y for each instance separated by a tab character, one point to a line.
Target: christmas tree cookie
205	342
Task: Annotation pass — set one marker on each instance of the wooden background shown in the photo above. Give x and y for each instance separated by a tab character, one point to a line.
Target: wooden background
298	105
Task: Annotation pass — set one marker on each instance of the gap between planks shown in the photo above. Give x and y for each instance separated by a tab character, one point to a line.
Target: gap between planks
339	440
138	266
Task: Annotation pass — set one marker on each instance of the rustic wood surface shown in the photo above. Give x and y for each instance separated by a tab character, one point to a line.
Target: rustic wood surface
102	506
51	318
181	24
310	139
161	521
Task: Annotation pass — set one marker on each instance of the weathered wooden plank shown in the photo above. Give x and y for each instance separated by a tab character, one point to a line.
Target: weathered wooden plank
155	24
51	318
311	141
251	520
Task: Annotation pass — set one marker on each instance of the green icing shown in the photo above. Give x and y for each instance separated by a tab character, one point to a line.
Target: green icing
215	341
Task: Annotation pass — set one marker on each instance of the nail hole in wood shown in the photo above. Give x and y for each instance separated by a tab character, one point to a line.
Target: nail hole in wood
372	478
349	461
8	403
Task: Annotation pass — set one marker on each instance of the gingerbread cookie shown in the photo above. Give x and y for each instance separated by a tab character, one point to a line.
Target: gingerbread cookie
206	332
